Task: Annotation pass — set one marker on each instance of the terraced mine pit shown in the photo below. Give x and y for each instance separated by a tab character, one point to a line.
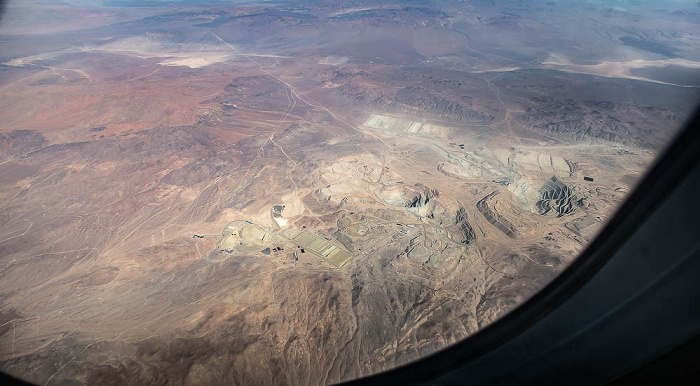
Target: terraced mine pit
556	197
487	208
266	194
466	231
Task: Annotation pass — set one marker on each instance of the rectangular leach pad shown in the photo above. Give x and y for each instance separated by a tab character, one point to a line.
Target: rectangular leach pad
322	247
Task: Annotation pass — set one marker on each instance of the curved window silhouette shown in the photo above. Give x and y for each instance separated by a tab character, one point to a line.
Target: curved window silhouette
305	192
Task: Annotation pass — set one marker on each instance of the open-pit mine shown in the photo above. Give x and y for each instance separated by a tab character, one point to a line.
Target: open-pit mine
304	193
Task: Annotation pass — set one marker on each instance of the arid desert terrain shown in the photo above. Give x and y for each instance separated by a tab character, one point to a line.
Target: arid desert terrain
309	192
